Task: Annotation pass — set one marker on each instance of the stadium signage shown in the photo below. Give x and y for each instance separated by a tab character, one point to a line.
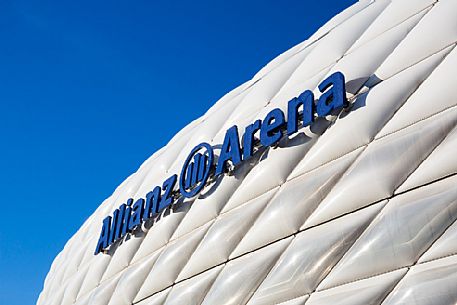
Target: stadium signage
201	164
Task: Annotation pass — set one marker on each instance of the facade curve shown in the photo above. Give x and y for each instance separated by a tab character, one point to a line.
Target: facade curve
357	208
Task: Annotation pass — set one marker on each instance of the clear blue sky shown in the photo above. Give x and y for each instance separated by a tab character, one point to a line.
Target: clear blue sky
90	89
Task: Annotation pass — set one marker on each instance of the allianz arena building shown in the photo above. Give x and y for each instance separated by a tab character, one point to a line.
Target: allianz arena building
327	179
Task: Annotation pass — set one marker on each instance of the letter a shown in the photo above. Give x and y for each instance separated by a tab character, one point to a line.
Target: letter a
230	150
333	98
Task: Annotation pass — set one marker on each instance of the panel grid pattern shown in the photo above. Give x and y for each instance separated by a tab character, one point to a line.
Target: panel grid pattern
360	208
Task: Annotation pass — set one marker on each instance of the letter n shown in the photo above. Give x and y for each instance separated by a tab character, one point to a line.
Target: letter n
305	100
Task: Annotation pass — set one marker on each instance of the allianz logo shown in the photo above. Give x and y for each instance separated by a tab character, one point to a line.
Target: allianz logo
202	166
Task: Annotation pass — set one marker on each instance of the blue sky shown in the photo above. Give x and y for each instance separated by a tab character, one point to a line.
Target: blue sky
90	89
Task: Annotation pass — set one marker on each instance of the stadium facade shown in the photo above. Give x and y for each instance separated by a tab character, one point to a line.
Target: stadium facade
329	178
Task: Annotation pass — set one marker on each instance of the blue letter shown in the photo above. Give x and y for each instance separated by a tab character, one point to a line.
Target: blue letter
167	187
137	214
270	131
128	211
335	97
248	139
103	242
230	150
120	222
306	99
116	224
152	203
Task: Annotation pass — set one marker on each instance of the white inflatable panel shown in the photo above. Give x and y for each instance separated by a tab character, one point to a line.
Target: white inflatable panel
370	291
432	283
397	12
103	294
208	205
297	301
156	299
169	263
359	208
193	291
271	171
400	234
294	202
436	30
388	161
132	279
239	278
310	256
160	232
439	164
340	18
446	245
223	236
374	52
369	113
330	48
438	89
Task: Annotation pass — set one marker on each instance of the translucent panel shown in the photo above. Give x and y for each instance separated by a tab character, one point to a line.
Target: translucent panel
229	98
209	204
434	95
440	163
432	283
446	245
296	77
437	30
165	160
156	299
122	255
272	170
364	292
240	277
368	114
73	287
262	91
404	230
206	131
297	301
293	88
88	248
170	263
373	53
223	236
103	293
74	260
395	13
294	202
192	291
94	274
161	231
340	19
131	280
300	269
334	45
84	300
56	297
305	222
388	162
269	67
